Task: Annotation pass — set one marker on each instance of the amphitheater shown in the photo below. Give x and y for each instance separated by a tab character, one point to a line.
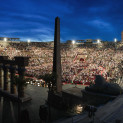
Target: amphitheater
80	62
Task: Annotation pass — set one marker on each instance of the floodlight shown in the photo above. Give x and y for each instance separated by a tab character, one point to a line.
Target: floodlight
98	40
28	41
73	42
115	40
5	39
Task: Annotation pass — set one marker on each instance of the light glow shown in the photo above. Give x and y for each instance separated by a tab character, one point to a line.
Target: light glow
98	40
73	42
28	41
79	109
115	40
5	39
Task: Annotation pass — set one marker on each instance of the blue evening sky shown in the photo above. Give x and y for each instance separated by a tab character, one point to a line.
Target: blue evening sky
79	19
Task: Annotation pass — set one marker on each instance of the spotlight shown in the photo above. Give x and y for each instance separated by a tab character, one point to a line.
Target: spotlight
5	39
98	40
28	41
73	42
115	40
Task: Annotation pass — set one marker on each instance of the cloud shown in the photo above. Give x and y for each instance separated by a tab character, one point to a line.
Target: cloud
78	18
101	24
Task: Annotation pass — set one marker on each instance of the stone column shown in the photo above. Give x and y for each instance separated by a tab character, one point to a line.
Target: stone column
2	58
12	79
21	62
57	56
5	69
21	72
1	77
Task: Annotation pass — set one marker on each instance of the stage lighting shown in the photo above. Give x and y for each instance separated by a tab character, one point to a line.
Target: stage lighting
98	40
5	39
73	42
115	40
28	41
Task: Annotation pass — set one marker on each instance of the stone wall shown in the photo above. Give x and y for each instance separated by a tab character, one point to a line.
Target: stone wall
90	98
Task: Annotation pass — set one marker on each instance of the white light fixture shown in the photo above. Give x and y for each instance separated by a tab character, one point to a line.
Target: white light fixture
98	40
115	40
73	42
28	41
5	39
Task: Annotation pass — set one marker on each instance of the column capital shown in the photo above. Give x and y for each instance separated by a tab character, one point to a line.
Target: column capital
21	61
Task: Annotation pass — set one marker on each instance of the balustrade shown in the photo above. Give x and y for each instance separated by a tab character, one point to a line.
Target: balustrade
12	66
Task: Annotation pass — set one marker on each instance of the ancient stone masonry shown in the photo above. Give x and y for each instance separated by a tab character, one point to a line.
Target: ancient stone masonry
12	69
57	55
8	69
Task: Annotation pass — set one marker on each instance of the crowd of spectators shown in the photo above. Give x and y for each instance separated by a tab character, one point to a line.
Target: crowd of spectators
79	64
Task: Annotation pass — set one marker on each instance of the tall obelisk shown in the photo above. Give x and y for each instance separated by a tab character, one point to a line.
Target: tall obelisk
57	55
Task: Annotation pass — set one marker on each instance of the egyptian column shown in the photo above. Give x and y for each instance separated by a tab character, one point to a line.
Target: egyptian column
57	55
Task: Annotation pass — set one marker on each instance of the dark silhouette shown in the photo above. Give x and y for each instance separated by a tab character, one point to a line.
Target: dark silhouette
57	56
43	113
101	86
24	117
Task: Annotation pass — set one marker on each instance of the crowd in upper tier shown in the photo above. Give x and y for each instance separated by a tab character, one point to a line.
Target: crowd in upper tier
79	64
